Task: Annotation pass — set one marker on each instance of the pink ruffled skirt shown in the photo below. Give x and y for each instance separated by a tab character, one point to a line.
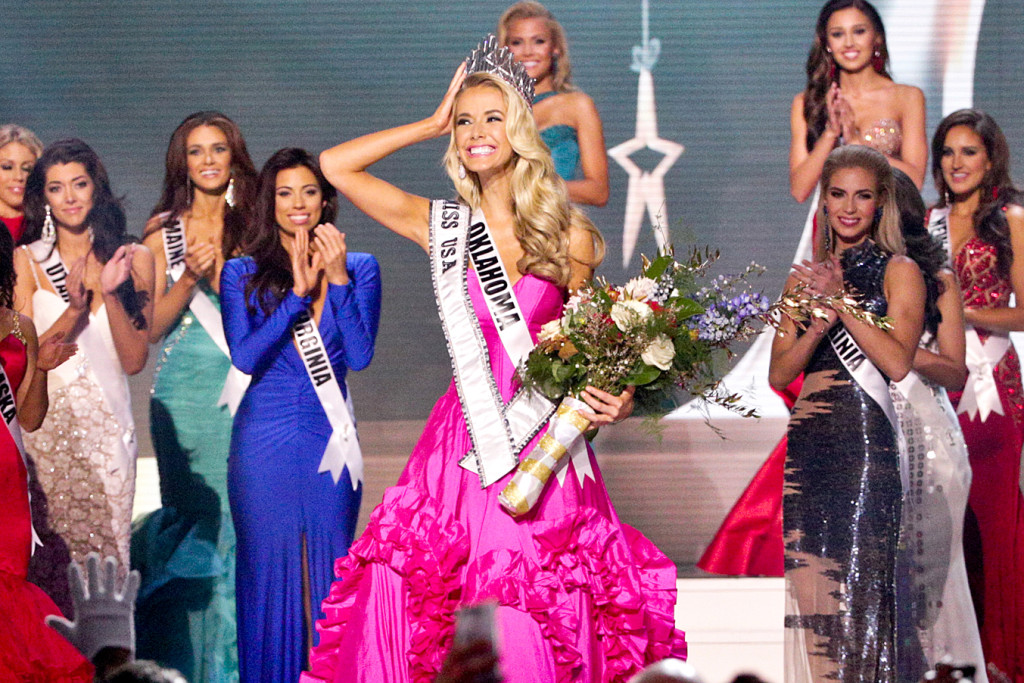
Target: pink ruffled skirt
582	596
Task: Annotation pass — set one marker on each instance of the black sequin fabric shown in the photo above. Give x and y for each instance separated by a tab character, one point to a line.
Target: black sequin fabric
841	513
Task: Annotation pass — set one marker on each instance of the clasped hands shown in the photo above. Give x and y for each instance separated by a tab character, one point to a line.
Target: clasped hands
822	278
323	256
114	273
841	119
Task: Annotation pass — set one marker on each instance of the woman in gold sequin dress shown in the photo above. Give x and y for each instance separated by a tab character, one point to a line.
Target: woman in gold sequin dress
84	453
980	216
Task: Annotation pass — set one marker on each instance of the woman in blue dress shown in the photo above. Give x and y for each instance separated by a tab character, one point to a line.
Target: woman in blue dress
567	118
185	551
294	469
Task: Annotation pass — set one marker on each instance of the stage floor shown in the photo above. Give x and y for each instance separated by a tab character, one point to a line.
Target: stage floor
675	487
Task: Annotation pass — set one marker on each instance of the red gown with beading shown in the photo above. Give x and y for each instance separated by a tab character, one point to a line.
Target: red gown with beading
994	448
29	649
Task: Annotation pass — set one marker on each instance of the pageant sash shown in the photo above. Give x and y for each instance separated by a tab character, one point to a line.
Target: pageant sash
113	383
515	337
343	447
9	411
498	432
867	376
981	393
205	313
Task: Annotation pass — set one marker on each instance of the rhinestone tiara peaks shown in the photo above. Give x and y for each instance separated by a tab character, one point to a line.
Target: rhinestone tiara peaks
500	61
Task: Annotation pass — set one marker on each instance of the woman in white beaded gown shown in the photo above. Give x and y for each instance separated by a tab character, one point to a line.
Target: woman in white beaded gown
79	276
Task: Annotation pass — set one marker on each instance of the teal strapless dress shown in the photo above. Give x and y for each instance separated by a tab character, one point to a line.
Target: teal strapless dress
185	617
561	140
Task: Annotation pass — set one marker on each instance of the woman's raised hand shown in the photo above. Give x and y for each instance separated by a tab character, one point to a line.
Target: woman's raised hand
200	259
329	244
117	269
79	298
306	271
442	116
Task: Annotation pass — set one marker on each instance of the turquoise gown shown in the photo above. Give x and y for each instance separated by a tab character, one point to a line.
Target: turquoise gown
561	140
185	616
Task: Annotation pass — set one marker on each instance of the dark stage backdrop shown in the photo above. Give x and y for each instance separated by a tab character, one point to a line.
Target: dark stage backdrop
121	74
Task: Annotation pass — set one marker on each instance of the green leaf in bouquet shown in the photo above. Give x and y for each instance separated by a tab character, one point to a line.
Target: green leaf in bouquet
686	308
658	266
642	374
561	372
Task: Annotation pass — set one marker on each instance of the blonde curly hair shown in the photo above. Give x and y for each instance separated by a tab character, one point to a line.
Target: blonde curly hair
543	216
561	79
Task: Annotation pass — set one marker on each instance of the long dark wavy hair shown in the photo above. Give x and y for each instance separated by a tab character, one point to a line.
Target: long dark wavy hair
996	190
177	193
924	249
822	69
106	218
7	276
273	277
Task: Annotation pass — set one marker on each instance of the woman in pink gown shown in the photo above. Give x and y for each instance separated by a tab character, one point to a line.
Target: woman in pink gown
980	217
581	596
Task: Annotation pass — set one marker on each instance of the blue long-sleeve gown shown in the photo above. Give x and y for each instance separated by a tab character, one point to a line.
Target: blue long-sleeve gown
279	503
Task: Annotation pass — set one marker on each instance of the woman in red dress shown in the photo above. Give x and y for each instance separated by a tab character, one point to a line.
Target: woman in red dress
29	649
19	149
980	217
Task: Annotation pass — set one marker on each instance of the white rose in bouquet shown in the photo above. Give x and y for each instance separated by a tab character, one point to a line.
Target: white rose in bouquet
639	288
552	329
628	313
659	353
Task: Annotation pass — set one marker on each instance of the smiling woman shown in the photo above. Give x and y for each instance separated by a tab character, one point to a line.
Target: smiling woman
19	149
300	311
185	551
84	453
567	118
842	494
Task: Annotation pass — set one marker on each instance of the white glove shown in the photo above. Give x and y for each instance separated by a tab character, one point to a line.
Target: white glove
103	617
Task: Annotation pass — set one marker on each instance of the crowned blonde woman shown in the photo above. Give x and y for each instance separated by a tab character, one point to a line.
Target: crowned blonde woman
579	595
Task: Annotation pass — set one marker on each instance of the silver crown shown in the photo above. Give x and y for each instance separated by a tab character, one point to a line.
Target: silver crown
500	61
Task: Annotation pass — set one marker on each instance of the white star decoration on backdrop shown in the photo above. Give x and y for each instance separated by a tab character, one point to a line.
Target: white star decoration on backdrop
646	189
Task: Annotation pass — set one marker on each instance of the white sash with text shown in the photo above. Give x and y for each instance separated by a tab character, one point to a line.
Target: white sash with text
343	447
205	313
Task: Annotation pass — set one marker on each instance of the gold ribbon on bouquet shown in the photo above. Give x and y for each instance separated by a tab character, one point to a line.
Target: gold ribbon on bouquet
564	437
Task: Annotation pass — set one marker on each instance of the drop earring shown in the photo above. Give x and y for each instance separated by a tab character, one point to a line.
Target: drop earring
826	231
49	235
462	171
229	194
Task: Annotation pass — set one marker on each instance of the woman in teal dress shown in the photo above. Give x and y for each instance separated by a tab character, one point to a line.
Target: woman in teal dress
186	549
567	118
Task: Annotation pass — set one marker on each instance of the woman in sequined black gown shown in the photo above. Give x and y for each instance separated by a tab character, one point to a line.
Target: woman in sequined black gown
841	504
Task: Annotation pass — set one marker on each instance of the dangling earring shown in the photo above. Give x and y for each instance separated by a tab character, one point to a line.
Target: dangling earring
831	66
92	235
826	231
462	171
877	62
49	235
229	194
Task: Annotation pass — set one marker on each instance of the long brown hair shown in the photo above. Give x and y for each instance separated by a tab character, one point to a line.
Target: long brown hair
822	69
273	277
996	189
177	192
106	218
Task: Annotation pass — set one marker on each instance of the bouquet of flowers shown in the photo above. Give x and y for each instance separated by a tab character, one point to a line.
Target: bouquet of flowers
666	332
